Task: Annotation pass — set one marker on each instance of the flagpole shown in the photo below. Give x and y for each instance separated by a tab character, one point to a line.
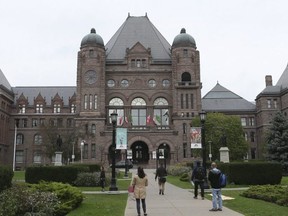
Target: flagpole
14	150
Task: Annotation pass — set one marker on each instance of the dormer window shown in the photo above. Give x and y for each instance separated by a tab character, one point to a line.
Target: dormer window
139	63
21	108
39	108
57	108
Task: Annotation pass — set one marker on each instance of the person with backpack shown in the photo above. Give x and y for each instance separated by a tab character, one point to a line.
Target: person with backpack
197	177
161	173
214	178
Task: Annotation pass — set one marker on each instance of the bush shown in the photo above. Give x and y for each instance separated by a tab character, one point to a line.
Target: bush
243	173
64	174
6	175
22	200
69	197
178	170
185	177
271	193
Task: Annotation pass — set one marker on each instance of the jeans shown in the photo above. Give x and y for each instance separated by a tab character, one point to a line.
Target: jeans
138	205
217	198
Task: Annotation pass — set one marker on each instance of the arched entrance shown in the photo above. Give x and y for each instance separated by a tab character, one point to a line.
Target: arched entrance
140	152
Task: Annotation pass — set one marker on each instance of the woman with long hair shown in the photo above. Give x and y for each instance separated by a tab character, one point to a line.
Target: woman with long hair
140	182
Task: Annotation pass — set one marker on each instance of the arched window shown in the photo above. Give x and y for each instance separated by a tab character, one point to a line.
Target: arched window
138	112
186	77
116	105
161	112
37	139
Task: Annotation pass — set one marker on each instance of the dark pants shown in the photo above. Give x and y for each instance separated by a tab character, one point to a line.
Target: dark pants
138	205
201	184
102	183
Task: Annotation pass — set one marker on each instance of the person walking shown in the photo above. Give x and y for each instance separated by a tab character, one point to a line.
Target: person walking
161	173
214	178
102	178
197	177
140	182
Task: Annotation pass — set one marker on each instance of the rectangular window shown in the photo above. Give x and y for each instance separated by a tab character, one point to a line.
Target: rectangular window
143	62
251	121
34	122
275	103
187	101
252	136
192	101
73	108
24	123
184	150
22	108
42	121
57	108
39	108
85	153
37	157
133	63
138	63
85	102
268	103
95	102
19	156
182	101
90	101
243	122
93	150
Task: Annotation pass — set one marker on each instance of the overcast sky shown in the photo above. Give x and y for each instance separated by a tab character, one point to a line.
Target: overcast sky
240	41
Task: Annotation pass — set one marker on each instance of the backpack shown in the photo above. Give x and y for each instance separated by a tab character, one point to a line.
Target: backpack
222	180
199	174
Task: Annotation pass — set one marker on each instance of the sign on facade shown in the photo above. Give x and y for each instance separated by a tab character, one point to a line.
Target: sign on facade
121	138
195	136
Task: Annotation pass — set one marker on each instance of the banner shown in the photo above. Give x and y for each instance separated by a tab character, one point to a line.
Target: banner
121	138
195	135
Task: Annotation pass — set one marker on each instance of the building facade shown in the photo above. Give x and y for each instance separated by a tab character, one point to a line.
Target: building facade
154	87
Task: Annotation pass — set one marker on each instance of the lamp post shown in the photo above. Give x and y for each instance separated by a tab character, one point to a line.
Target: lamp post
202	115
113	186
126	165
81	150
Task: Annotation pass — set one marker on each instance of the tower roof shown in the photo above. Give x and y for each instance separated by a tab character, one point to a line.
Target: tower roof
222	99
283	80
4	81
92	39
184	40
133	30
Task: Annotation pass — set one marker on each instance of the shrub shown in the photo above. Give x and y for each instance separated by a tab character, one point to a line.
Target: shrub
244	172
21	200
178	170
6	175
69	197
184	177
271	193
64	174
87	179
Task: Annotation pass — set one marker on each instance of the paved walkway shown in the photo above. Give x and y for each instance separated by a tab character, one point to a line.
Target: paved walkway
175	202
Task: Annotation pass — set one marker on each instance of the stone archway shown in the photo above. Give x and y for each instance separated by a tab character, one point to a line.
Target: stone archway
140	152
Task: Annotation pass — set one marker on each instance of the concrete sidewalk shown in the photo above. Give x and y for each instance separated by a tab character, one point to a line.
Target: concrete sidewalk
175	202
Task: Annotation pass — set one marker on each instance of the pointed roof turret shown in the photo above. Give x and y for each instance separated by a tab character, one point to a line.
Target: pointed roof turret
283	81
133	30
4	81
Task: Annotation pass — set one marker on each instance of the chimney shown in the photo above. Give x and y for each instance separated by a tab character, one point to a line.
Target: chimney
268	80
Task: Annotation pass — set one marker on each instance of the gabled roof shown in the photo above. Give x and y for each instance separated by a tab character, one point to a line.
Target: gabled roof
133	30
4	81
47	93
283	81
220	99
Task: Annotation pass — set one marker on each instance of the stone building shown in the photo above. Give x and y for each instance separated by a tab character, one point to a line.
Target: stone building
154	87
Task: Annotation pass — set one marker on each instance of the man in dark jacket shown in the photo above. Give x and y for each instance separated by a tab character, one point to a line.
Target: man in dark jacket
161	173
198	176
214	178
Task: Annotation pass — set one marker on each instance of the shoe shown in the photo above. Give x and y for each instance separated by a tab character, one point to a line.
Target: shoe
219	209
162	193
213	209
195	197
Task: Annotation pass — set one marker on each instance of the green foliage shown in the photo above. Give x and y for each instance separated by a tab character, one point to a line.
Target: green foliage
184	177
224	130
21	200
69	197
64	174
271	193
6	175
90	179
277	141
178	170
243	173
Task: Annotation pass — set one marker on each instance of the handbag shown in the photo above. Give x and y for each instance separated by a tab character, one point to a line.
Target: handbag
131	189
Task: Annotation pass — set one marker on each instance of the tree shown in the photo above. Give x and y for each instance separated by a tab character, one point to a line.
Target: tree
277	140
224	130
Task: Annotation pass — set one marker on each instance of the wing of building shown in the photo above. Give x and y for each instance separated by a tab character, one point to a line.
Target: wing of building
154	88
